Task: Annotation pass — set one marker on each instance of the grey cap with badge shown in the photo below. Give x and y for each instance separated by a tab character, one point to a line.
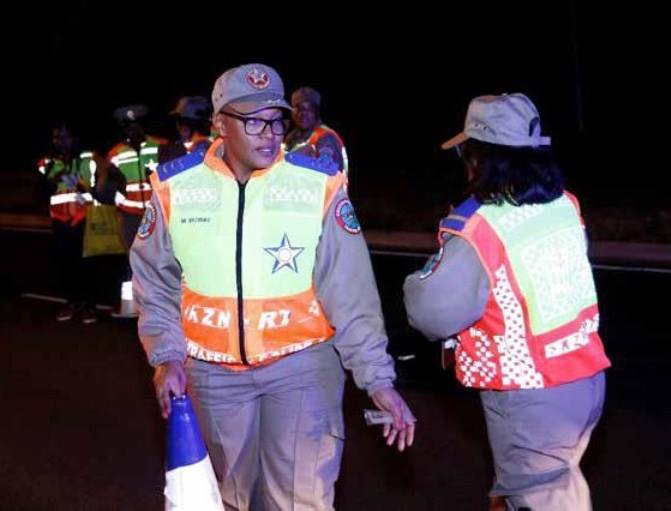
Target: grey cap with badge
249	89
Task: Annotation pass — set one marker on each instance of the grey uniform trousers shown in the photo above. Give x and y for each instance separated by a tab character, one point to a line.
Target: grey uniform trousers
274	433
538	437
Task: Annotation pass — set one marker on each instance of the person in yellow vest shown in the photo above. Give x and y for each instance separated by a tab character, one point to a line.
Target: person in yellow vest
70	176
512	285
193	123
255	288
135	158
310	136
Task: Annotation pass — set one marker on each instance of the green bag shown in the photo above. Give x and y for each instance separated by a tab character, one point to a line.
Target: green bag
102	234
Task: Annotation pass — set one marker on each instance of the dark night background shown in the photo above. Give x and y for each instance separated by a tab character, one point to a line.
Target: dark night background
80	428
395	82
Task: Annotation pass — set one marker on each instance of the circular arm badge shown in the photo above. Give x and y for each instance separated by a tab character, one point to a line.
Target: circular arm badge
346	218
431	265
148	223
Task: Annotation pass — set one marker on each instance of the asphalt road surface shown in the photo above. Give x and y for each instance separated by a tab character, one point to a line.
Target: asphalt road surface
80	429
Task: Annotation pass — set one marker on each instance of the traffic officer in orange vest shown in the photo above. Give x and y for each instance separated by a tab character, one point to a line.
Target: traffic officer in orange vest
310	136
513	284
70	176
255	289
136	158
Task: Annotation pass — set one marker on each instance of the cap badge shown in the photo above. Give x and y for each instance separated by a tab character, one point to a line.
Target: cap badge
258	79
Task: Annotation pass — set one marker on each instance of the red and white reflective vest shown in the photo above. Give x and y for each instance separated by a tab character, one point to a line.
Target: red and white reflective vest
71	198
540	325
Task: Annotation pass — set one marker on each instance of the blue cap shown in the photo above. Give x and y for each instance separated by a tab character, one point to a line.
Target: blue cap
197	108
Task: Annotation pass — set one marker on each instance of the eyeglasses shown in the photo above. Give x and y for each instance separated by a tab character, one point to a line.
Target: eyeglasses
256	125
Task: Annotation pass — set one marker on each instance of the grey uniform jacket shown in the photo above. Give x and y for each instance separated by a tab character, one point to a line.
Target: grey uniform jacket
344	284
450	293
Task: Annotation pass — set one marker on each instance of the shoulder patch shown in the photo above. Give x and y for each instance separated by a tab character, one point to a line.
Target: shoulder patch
324	165
328	138
431	264
148	223
345	216
173	167
460	215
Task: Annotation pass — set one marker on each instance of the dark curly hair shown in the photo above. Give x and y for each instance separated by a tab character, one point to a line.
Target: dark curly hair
517	175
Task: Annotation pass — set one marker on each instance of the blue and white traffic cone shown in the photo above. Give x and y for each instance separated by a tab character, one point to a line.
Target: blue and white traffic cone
190	484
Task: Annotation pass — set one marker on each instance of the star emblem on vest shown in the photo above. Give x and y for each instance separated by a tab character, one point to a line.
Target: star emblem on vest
285	255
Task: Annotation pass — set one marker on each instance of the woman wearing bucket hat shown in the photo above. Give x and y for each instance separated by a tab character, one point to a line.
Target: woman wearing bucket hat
513	283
